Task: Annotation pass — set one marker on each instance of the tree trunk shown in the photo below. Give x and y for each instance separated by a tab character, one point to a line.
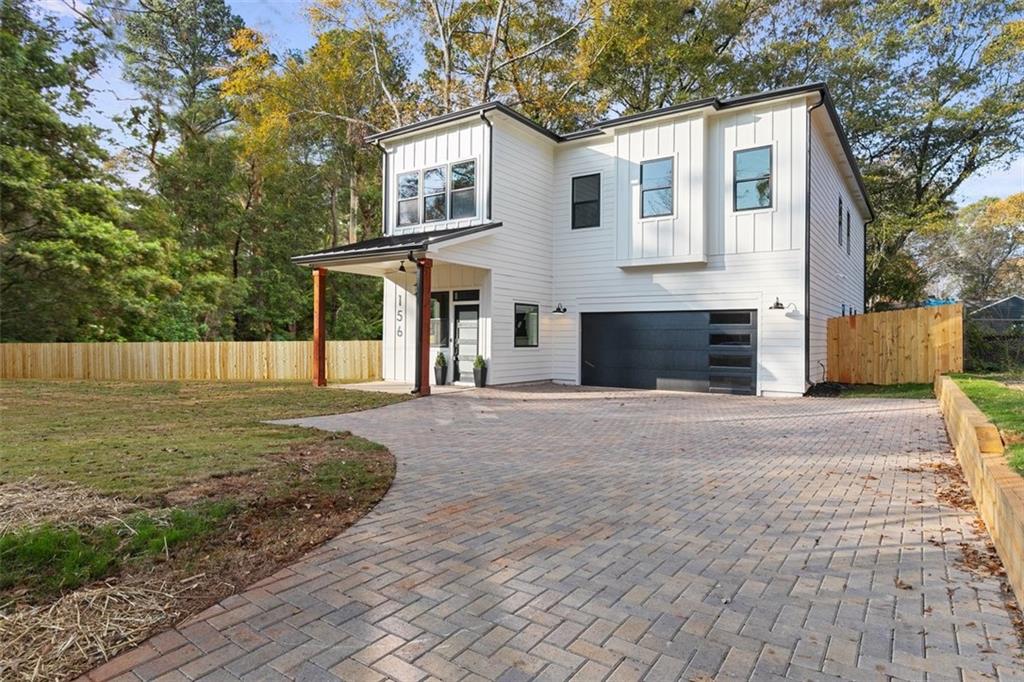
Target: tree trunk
334	215
353	207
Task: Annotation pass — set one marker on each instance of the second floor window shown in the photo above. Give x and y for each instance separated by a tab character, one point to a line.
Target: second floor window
586	201
464	189
840	221
448	193
847	232
752	178
408	198
435	195
656	188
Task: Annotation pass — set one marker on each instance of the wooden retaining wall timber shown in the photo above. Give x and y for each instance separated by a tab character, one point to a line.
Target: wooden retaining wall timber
189	361
896	346
997	489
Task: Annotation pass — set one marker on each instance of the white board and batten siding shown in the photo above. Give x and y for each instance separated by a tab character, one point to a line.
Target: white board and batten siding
519	253
837	277
738	260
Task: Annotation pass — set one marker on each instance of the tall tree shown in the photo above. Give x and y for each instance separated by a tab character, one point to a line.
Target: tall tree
72	268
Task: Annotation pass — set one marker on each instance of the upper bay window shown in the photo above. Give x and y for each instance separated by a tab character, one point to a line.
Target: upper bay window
656	188
408	198
448	193
435	197
752	178
464	189
586	201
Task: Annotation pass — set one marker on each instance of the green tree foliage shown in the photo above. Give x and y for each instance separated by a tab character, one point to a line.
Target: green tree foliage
72	266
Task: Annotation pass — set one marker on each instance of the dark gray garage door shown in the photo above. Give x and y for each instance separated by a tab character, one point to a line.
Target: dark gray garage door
709	351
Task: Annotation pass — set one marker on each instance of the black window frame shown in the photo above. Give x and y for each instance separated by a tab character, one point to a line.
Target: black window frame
670	187
574	202
415	199
771	184
515	335
840	221
452	191
443	299
847	232
443	193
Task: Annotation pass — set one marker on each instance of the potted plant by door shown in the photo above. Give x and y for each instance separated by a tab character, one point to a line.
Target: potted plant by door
440	369
479	371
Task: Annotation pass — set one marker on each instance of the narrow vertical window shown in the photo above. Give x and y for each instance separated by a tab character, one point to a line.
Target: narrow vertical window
847	232
656	188
586	201
840	221
408	198
435	195
752	179
463	179
527	318
439	318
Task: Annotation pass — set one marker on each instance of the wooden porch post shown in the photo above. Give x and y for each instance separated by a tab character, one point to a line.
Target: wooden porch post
319	331
424	325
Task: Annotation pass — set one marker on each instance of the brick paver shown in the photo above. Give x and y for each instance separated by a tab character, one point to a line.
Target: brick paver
547	533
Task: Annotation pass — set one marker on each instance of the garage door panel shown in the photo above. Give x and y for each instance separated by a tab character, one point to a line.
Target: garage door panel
688	351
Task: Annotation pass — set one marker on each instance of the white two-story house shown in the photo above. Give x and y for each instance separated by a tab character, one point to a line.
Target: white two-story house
698	247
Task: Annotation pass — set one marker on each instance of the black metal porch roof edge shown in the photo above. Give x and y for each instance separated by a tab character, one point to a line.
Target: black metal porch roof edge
391	244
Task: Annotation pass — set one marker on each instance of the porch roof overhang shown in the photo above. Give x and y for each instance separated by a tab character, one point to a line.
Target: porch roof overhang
367	257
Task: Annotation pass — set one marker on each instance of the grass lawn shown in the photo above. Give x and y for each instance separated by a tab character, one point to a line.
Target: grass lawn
893	391
177	489
147	437
1003	405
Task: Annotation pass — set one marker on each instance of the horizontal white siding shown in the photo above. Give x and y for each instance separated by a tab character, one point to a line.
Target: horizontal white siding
837	278
518	254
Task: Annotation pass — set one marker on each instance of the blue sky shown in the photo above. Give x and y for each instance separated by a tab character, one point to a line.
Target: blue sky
284	22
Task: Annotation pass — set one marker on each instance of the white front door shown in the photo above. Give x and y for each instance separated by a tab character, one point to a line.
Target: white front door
467	344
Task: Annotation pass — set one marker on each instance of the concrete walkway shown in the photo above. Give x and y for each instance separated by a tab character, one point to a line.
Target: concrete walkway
553	533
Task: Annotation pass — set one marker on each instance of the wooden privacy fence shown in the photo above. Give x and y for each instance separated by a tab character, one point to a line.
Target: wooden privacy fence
896	346
189	361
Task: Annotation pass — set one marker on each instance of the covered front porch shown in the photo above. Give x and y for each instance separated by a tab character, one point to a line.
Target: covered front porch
434	305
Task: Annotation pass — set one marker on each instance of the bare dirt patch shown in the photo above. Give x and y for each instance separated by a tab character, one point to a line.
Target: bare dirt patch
309	494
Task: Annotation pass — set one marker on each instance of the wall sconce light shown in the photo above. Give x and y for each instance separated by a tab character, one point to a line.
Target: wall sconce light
401	266
559	309
777	305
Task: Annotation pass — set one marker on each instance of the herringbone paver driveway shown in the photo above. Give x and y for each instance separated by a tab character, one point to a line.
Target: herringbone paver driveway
553	533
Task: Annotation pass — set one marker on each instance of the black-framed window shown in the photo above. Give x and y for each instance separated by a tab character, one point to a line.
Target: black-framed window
752	178
847	232
527	325
435	195
586	201
439	318
840	221
656	188
463	179
408	198
466	295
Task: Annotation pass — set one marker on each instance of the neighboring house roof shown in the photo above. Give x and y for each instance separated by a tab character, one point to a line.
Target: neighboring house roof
390	245
601	126
1011	307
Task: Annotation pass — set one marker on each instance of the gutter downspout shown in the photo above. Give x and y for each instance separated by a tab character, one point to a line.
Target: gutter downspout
384	186
490	159
807	250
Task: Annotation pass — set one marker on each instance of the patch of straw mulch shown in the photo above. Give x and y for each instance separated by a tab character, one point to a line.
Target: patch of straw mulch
33	501
84	628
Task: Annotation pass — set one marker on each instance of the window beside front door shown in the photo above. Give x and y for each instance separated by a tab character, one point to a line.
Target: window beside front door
527	323
439	318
